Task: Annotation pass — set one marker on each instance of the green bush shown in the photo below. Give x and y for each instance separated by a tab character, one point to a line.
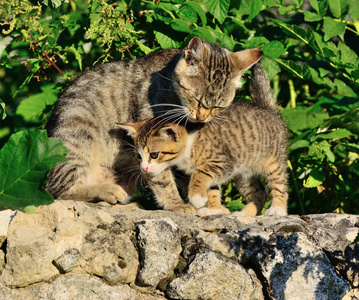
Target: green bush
310	53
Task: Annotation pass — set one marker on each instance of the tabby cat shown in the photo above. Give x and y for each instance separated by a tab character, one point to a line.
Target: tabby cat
240	143
194	84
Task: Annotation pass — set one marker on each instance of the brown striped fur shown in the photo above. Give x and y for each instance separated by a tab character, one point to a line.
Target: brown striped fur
241	143
195	83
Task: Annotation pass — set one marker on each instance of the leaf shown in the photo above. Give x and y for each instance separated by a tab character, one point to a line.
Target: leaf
343	89
347	56
315	178
319	6
299	144
204	34
338	7
312	17
336	134
274	49
144	48
187	13
25	161
332	27
3	113
272	68
165	41
53	4
179	25
283	10
31	108
256	6
199	10
218	8
290	66
4	42
299	33
319	78
327	48
354	9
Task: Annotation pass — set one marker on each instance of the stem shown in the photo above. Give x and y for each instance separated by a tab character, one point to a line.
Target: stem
296	188
293	94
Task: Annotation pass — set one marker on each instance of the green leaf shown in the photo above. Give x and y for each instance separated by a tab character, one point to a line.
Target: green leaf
144	48
272	68
299	144
290	66
199	10
338	7
245	7
299	33
315	178
274	49
165	41
327	48
25	161
53	4
319	6
336	134
32	107
347	56
188	14
256	6
312	17
2	111
283	10
343	89
179	25
354	9
218	8
320	79
332	27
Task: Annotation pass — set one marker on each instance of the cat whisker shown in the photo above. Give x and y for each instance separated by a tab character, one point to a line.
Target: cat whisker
167	78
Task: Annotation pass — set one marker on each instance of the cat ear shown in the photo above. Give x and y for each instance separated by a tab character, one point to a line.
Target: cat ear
132	128
193	52
170	132
245	59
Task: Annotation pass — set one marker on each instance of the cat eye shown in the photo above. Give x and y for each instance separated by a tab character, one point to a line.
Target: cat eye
154	155
138	156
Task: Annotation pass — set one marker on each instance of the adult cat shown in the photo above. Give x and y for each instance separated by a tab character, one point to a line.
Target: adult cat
195	83
245	142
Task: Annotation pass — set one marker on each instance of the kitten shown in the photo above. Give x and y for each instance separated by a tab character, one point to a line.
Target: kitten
241	143
194	84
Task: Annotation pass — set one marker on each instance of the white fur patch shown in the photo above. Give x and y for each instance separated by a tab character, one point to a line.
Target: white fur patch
205	211
276	211
197	201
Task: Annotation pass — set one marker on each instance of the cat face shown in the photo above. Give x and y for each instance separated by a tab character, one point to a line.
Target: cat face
208	76
158	146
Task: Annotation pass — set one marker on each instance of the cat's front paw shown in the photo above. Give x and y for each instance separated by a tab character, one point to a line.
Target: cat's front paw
198	201
276	211
110	193
186	208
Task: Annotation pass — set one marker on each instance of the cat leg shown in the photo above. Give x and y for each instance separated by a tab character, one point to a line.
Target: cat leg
254	192
166	193
198	188
277	183
214	205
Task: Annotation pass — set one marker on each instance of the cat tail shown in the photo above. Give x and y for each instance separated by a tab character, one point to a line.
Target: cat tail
260	89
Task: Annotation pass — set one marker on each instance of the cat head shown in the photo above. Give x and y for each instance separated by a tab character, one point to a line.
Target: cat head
158	144
207	77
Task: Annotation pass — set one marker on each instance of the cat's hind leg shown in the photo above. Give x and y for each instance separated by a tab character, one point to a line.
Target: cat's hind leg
254	192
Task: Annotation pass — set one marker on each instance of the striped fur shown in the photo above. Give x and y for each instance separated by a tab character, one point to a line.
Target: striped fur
100	165
241	143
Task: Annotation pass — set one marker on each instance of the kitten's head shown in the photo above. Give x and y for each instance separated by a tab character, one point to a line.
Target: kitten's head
158	144
207	77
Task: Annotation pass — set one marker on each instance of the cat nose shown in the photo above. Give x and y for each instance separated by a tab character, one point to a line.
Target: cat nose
144	169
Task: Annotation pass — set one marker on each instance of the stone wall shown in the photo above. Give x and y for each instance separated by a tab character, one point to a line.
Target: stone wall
75	250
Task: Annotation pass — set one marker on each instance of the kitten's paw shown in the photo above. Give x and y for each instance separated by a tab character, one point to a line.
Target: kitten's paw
276	211
111	193
205	211
186	208
197	201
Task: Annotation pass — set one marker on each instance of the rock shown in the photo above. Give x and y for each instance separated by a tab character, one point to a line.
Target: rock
77	250
160	246
211	276
5	218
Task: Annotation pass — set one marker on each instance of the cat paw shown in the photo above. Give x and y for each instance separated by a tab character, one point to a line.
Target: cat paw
186	208
276	211
197	201
110	193
205	211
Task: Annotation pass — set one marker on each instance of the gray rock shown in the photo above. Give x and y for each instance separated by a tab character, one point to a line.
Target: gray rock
212	276
160	245
68	261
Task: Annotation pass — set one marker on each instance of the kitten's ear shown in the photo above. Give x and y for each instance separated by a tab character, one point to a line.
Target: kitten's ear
132	128
193	52
170	132
245	59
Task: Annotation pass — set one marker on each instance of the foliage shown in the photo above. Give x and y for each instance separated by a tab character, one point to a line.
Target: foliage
310	53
